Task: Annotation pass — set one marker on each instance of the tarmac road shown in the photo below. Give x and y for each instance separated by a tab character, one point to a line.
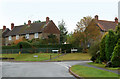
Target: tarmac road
38	69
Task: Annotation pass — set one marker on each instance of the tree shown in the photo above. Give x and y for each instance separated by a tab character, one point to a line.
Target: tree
63	31
102	48
73	38
52	39
116	55
87	31
118	31
36	21
110	43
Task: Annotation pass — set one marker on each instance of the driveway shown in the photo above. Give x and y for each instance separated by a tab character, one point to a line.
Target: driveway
38	69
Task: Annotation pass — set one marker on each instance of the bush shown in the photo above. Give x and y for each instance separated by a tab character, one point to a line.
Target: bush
110	42
95	47
102	49
24	45
116	55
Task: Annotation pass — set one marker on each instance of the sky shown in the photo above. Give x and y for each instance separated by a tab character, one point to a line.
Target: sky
71	11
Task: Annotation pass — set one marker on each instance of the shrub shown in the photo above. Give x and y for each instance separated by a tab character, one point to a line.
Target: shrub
102	48
110	42
24	45
94	48
116	55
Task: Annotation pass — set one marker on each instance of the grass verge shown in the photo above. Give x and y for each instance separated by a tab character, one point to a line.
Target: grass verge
103	66
30	57
84	71
74	56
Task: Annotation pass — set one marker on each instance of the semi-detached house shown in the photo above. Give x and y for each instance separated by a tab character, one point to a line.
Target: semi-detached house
31	31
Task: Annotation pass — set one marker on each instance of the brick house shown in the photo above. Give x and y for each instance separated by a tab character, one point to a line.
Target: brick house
105	25
30	31
102	25
4	31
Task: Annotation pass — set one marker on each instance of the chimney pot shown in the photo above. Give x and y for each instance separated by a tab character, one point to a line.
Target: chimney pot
96	17
29	22
116	20
4	27
12	26
47	20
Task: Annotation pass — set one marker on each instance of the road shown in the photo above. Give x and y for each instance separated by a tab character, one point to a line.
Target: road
38	69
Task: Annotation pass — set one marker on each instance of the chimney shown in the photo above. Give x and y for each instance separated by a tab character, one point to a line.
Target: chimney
29	22
4	27
47	20
12	26
96	17
116	20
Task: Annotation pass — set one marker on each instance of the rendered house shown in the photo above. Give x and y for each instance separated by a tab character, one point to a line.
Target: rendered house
30	31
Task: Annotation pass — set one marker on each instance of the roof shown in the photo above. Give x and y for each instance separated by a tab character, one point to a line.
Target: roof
24	29
5	32
106	25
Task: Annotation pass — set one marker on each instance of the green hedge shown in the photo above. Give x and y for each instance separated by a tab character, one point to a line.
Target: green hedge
29	48
10	47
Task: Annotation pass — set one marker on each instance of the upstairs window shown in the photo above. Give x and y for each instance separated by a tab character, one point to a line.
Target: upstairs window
10	38
17	37
36	35
27	36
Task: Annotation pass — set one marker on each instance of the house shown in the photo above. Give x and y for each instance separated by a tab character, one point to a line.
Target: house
31	31
99	28
4	31
105	25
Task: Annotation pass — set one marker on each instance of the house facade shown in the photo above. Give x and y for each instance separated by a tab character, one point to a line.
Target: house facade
39	30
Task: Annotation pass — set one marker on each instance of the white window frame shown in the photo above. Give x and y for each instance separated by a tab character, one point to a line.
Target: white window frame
17	37
27	36
10	38
36	35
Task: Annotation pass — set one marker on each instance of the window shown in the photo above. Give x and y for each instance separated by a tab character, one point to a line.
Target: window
17	37
36	35
10	38
27	36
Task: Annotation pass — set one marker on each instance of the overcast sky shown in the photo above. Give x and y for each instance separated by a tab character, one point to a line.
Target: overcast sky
71	11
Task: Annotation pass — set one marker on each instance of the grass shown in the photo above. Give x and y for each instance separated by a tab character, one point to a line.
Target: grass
84	71
74	56
103	66
30	57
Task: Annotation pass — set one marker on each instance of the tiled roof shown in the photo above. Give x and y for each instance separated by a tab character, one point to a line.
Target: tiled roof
106	25
5	32
24	29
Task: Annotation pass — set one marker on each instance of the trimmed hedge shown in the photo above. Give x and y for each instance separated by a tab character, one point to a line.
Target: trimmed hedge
10	47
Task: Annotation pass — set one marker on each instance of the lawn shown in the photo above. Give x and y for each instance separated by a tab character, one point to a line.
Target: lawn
103	66
74	56
84	71
30	57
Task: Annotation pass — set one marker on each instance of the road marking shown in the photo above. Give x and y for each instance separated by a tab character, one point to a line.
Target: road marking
63	64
